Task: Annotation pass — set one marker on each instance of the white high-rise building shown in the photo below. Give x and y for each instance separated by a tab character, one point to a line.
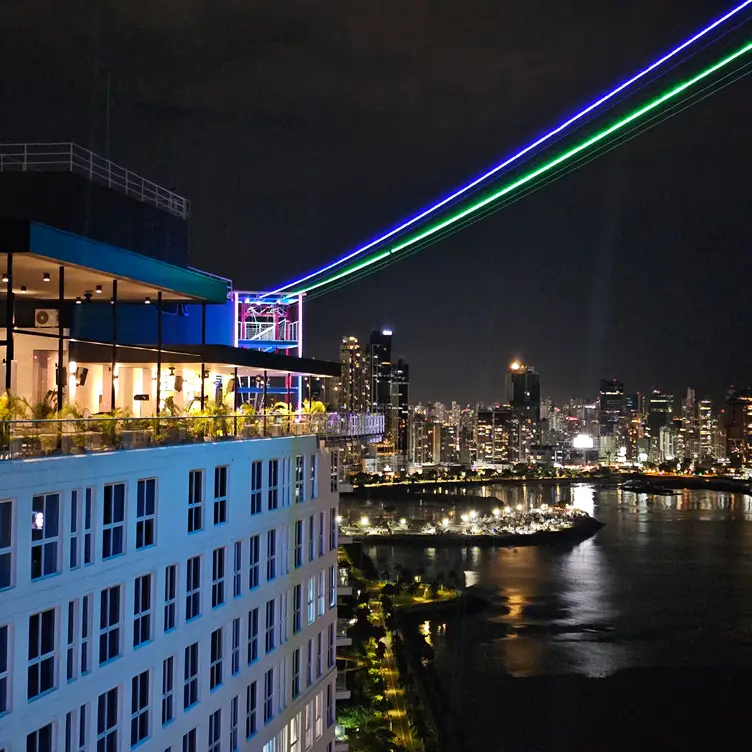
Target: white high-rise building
179	598
168	506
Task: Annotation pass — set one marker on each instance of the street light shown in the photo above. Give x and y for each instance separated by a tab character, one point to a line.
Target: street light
496	512
364	521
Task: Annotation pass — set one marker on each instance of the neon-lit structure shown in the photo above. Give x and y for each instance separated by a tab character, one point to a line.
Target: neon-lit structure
334	271
270	323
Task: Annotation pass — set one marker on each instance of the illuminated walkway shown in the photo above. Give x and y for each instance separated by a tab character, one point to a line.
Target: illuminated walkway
398	712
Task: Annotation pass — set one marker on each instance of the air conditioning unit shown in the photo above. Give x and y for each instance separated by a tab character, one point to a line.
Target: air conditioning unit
45	318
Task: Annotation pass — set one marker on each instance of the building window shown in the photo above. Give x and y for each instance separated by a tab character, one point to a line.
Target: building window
4	669
284	604
329	706
269	634
88	526
332	529
297	605
142	610
171	597
271	555
193	588
220	494
256	487
309	664
45	535
250	710
254	558
299	479
195	501
168	690
320	593
40	740
139	708
314	476
253	629
71	664
286	482
189	741
41	670
218	577
272	497
311	538
237	570
234	720
296	673
215	660
190	678
334	471
113	519
6	544
235	657
322	550
311	604
109	624
86	617
146	509
215	730
75	529
319	654
298	551
332	586
107	721
330	647
75	730
308	725
269	695
295	733
319	718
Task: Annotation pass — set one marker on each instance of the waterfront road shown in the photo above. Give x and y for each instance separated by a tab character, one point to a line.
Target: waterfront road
398	712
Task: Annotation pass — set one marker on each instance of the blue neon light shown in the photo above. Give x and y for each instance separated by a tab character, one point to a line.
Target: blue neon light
520	153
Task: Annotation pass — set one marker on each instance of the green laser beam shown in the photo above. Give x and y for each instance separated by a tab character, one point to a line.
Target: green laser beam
675	92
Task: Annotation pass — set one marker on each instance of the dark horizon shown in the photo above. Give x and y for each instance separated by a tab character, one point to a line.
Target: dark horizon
300	131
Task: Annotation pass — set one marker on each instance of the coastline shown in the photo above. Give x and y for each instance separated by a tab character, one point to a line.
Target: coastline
426	491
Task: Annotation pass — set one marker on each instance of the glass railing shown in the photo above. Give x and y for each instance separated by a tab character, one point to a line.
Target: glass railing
39	438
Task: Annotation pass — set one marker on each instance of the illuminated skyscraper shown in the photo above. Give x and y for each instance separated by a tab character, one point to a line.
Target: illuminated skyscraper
523	391
738	424
354	383
707	427
390	389
611	407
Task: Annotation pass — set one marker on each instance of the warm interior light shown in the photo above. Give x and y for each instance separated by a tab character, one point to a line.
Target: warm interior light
78	301
46	276
23	288
147	300
5	276
72	366
99	289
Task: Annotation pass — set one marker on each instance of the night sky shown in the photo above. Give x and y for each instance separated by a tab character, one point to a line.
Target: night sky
301	129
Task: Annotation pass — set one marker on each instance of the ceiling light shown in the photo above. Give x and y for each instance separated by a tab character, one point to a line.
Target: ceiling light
99	289
147	300
46	276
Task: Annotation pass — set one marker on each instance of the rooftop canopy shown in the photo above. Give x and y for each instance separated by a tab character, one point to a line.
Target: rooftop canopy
39	251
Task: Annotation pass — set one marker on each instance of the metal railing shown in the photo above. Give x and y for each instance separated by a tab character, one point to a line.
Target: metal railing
286	331
69	157
23	438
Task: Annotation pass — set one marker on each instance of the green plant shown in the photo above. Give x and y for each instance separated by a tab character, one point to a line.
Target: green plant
45	409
